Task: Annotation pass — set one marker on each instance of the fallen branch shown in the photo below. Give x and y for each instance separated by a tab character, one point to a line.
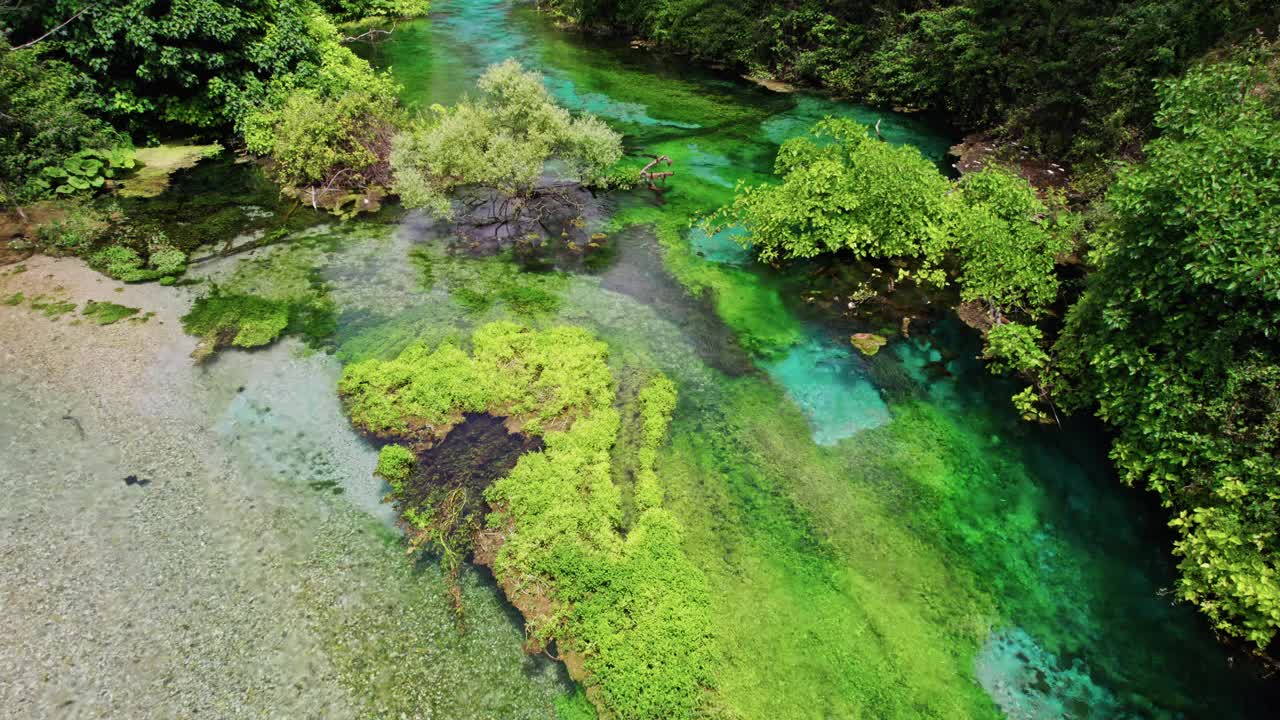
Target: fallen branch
647	174
369	34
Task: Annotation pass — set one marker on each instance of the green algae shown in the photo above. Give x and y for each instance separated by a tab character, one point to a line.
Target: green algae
51	307
15	299
106	313
157	164
628	613
479	283
281	292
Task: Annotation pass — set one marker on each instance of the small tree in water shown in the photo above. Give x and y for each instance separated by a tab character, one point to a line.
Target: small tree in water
503	145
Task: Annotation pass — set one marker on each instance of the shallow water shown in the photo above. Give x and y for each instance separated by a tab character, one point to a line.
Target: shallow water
894	499
883	537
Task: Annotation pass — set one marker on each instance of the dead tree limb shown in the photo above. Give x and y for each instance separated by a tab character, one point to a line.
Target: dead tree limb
61	25
369	34
647	174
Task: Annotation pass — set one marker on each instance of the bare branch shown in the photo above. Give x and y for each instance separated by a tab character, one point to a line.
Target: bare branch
64	23
369	34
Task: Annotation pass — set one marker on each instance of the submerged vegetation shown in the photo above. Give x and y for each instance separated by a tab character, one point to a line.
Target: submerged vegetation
627	612
687	542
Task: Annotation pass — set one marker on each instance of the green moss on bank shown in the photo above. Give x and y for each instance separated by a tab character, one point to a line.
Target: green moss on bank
630	615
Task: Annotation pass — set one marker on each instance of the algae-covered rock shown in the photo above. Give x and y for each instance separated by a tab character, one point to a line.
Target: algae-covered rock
868	343
158	164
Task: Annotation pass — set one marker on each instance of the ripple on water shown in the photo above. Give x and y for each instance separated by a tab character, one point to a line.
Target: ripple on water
829	386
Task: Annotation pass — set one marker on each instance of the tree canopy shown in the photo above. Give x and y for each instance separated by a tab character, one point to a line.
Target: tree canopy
503	139
1175	337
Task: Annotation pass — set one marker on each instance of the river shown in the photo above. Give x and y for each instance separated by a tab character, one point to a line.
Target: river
882	535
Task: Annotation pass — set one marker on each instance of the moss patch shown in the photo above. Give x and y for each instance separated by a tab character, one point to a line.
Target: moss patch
52	307
629	615
158	164
106	313
244	321
279	293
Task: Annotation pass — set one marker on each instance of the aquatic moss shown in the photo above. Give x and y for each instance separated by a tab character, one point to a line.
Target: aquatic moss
106	313
52	307
394	464
631	613
537	377
277	294
246	321
126	265
478	283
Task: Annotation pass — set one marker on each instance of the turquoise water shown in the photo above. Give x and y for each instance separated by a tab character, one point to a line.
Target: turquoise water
884	537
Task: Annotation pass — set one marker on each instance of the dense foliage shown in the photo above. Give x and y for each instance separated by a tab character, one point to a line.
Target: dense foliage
1072	77
46	117
201	64
1176	336
275	72
843	191
632	610
503	140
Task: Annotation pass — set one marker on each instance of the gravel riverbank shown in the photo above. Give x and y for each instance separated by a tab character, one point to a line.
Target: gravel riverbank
173	544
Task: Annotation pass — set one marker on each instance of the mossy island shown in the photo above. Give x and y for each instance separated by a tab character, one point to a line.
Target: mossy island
620	604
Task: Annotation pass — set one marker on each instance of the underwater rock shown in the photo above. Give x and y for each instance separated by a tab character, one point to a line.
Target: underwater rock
868	343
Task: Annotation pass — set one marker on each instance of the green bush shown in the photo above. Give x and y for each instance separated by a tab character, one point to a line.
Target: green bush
394	464
1174	337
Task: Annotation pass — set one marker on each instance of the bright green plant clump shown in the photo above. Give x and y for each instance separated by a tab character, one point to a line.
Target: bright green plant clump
127	265
106	313
629	614
394	464
241	320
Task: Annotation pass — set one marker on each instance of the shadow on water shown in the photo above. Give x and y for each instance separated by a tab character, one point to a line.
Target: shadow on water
637	271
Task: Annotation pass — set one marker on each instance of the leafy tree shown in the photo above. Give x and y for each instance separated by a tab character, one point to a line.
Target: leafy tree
503	141
1006	243
333	145
1175	336
45	118
843	190
198	64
